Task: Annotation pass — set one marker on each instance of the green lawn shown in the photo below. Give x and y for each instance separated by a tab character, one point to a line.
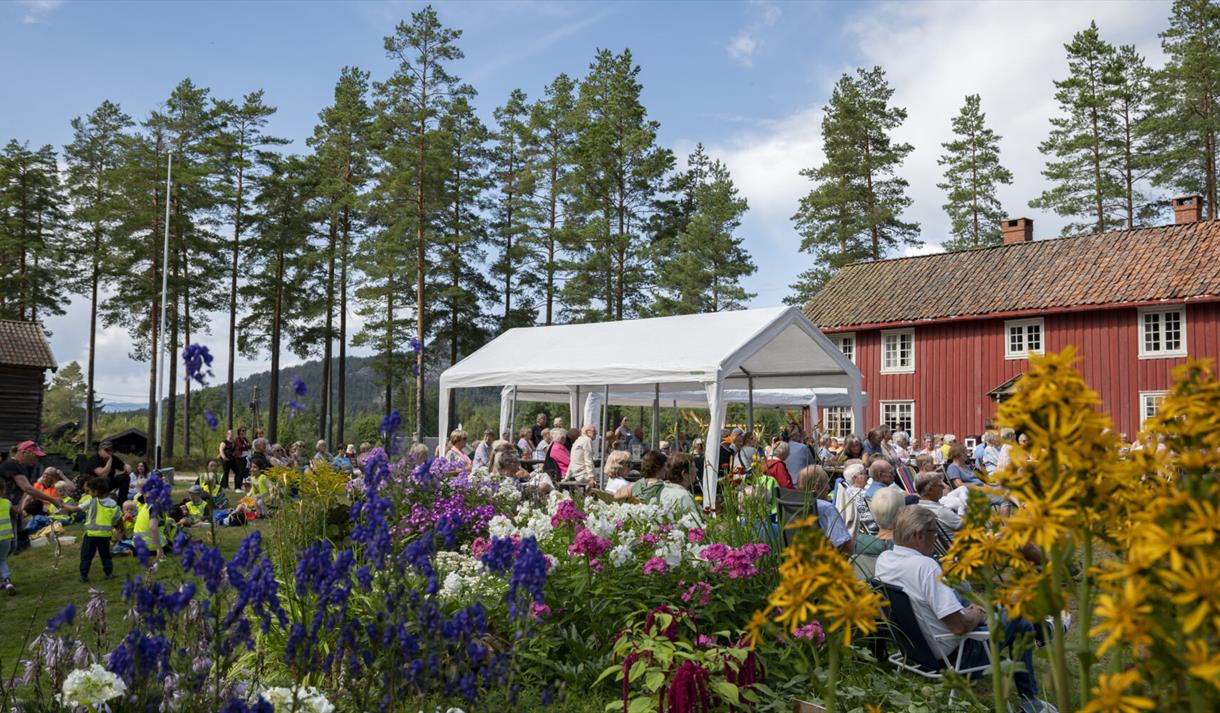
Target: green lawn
48	580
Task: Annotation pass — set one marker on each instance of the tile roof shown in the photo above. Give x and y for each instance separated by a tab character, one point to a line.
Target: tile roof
1170	262
24	344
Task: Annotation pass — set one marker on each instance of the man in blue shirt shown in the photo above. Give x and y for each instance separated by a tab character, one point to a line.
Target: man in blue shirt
799	454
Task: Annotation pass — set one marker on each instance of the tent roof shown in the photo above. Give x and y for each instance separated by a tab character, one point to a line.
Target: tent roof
696	398
778	346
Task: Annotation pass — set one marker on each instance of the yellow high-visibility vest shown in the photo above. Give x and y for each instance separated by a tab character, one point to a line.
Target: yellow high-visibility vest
99	520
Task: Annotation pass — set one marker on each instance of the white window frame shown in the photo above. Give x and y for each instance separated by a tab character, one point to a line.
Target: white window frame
1023	325
1145	397
844	415
905	368
839	337
898	402
1146	353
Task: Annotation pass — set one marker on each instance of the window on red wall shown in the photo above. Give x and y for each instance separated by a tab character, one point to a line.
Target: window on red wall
899	415
1162	332
898	351
1023	337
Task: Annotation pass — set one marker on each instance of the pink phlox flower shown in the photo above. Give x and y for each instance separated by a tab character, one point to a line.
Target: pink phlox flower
567	512
650	538
596	564
695	535
738	562
656	565
588	544
811	632
702	588
539	611
704	640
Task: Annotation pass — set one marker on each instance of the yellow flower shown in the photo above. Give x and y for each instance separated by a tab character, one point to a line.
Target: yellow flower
1123	617
847	609
1110	695
1203	664
1199	582
754	628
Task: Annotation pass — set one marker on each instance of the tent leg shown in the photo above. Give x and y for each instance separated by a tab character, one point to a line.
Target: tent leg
656	415
676	426
750	404
601	470
512	416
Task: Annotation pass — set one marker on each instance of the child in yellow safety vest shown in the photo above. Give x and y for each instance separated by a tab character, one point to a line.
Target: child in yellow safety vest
102	518
148	529
8	544
64	490
194	510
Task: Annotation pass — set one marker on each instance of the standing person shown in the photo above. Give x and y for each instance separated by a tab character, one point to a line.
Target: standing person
105	464
482	453
102	518
224	453
539	427
241	451
581	467
525	444
623	435
799	455
14	481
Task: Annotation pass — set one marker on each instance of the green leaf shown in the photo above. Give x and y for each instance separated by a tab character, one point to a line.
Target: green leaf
607	672
726	691
637	669
641	704
654	680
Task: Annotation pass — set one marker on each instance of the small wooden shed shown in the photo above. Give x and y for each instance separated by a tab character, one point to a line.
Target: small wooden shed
25	355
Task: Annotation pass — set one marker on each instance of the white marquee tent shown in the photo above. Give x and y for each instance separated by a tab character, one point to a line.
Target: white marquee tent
772	348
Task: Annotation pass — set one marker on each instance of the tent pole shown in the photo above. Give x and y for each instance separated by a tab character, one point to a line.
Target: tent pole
512	415
656	415
576	416
676	425
601	470
750	403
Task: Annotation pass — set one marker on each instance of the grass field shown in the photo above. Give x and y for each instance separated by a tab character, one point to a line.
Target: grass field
48	579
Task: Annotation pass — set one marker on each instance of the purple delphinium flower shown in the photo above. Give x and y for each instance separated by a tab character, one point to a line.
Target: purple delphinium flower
158	494
416	345
298	386
209	417
499	556
528	577
198	361
294	408
62	617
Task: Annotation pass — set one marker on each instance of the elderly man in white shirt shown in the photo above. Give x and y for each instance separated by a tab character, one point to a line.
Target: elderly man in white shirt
581	467
910	567
931	488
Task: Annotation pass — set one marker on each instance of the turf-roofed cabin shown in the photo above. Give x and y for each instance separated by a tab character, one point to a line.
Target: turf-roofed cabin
940	339
25	356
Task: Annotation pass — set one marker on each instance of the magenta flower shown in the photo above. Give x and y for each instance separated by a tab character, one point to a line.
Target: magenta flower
811	632
539	611
589	545
649	538
702	588
738	563
656	565
567	512
695	535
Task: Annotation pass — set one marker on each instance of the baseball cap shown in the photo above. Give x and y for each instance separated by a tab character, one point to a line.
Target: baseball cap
738	432
194	489
30	447
107	445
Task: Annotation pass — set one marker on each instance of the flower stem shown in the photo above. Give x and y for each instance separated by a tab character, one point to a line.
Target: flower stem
833	674
993	644
1085	612
1058	649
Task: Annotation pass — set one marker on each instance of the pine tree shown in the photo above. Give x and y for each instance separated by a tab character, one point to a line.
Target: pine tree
552	136
1185	122
95	158
854	211
459	286
278	260
1133	162
618	171
514	212
64	397
972	174
1082	142
341	141
701	268
31	233
411	103
235	150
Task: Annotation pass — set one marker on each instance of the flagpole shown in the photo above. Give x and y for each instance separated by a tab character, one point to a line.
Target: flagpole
169	167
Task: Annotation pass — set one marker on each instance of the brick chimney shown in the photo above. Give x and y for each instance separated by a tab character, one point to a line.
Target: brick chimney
1018	230
1187	209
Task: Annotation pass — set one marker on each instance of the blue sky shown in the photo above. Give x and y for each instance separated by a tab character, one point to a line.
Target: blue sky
748	79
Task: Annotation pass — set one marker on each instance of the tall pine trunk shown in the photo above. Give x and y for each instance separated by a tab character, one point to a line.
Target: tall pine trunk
389	352
550	247
186	381
341	407
90	397
324	401
233	296
420	254
273	396
154	315
171	405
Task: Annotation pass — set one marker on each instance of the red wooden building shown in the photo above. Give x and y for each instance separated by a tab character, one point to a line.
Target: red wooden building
940	338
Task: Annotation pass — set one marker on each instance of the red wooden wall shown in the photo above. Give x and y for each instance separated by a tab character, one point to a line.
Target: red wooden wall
958	361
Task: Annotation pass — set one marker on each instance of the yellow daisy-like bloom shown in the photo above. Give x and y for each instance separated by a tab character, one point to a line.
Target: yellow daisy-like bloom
754	628
1199	585
1110	695
847	609
1123	617
1202	663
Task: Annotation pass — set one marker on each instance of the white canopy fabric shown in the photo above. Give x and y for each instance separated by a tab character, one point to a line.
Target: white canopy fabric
772	348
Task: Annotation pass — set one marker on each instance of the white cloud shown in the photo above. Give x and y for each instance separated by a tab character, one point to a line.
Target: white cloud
746	43
37	10
934	54
741	49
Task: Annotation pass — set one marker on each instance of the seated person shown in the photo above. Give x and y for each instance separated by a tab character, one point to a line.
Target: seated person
931	488
250	503
850	500
814	479
195	510
130	510
959	471
618	467
885	508
651	482
209	481
343	460
675	493
263	488
64	490
881	475
910	567
775	467
505	463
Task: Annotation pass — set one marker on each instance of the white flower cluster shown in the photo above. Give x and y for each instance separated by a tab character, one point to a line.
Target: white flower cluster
306	699
91	687
465	580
